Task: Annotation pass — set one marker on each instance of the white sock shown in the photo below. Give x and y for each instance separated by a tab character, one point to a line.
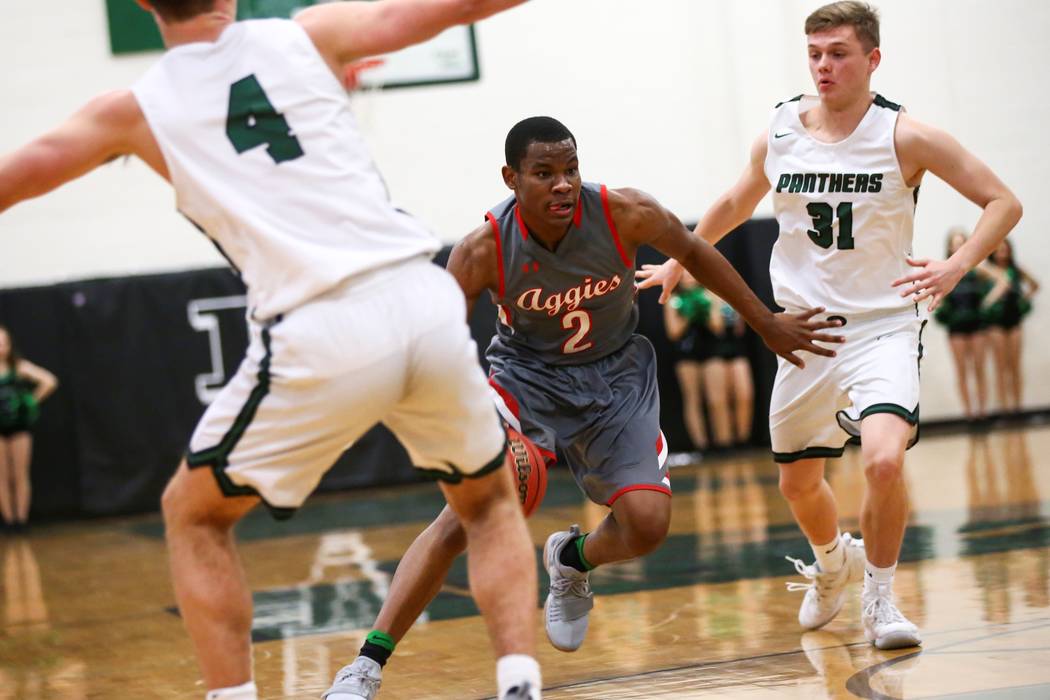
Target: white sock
513	669
240	692
831	556
875	577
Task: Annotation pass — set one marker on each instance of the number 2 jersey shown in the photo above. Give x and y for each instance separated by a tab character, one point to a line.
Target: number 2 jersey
266	158
844	210
569	306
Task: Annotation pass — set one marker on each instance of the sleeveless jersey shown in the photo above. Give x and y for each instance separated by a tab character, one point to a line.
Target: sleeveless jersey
844	211
266	158
569	306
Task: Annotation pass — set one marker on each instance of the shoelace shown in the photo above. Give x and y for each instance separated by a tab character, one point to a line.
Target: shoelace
565	587
818	581
356	679
881	608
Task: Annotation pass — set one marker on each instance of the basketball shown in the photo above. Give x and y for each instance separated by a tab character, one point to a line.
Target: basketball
529	469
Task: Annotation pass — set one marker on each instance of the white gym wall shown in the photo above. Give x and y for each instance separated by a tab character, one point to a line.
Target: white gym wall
664	95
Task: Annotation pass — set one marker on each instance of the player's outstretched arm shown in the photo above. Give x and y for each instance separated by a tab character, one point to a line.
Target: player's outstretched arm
474	264
728	211
346	31
921	147
103	129
641	220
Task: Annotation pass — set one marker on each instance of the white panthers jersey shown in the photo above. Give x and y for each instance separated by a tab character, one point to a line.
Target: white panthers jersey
844	210
266	158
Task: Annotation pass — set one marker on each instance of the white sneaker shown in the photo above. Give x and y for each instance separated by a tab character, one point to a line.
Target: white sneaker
826	594
358	681
570	599
525	691
884	625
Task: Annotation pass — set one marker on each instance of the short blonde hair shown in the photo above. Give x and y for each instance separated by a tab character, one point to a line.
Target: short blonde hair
860	15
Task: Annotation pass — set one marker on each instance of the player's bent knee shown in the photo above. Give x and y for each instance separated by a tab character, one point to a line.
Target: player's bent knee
644	518
643	538
192	498
796	487
448	532
883	468
481	497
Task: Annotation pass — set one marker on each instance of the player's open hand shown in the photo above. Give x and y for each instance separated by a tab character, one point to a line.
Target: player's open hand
933	280
789	333
667	276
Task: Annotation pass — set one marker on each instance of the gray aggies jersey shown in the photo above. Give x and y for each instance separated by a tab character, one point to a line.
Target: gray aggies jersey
570	306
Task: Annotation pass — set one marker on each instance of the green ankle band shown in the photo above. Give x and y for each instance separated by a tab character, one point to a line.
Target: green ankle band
579	549
381	639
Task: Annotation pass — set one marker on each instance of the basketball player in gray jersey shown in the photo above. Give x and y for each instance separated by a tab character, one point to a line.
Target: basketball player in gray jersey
570	373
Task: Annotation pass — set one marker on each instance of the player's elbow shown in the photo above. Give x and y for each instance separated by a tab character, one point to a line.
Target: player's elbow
1014	208
468	11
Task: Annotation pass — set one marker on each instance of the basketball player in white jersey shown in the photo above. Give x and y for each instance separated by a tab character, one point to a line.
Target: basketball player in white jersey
350	322
845	167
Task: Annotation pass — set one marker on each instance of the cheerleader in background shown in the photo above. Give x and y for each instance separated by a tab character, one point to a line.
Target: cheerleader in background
1003	309
23	386
685	319
960	313
727	377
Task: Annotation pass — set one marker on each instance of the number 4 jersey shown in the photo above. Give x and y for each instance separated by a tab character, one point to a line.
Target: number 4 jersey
844	210
266	158
568	306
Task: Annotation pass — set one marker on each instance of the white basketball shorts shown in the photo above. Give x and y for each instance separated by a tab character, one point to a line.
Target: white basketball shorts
815	411
392	347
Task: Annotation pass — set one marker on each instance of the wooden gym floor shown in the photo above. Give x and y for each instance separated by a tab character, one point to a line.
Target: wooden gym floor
88	610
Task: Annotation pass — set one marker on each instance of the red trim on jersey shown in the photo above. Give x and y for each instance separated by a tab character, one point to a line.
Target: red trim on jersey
638	487
547	455
521	223
612	227
512	403
499	248
508	398
660	442
577	216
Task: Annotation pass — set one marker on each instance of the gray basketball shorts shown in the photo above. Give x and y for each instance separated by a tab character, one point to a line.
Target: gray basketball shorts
601	419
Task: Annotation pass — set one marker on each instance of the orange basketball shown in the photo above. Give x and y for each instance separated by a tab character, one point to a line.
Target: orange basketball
529	469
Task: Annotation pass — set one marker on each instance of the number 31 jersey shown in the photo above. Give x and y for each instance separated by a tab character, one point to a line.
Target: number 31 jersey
844	210
266	157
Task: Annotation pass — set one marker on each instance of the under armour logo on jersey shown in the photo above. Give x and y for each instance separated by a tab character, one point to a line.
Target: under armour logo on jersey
534	267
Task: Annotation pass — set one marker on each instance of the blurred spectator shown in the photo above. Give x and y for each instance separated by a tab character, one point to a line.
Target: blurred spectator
712	364
23	386
1004	308
960	313
685	319
727	377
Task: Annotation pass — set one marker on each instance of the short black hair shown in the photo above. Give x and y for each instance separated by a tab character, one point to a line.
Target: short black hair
533	130
181	10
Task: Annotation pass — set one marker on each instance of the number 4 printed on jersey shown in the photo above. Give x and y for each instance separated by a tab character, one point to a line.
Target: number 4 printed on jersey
253	121
824	218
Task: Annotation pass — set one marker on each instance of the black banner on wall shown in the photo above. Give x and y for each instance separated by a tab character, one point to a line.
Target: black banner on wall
139	358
